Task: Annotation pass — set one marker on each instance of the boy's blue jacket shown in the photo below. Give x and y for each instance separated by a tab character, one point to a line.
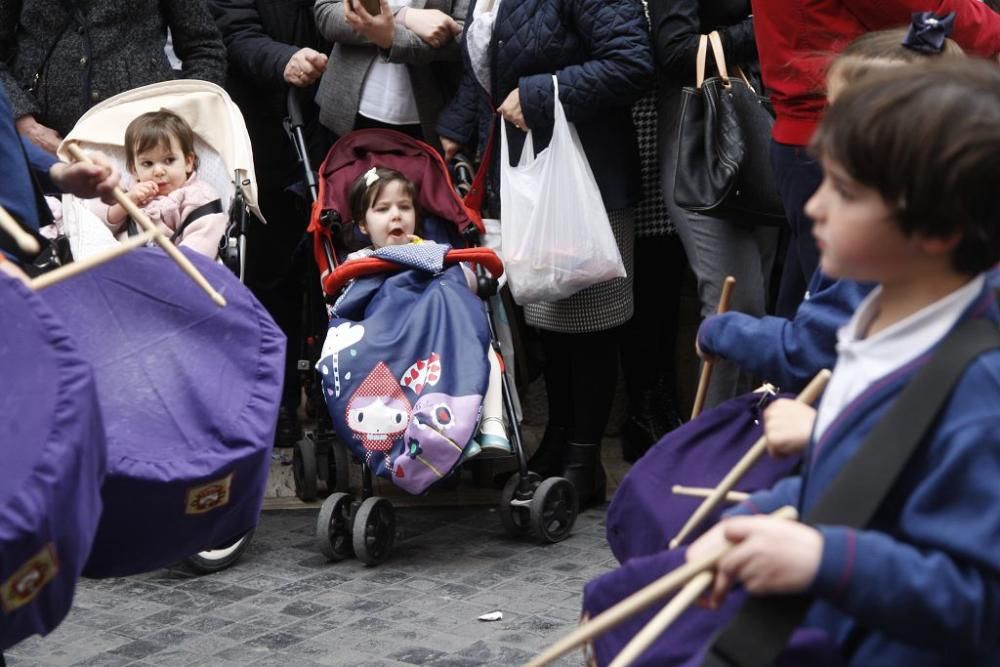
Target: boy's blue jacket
787	352
921	585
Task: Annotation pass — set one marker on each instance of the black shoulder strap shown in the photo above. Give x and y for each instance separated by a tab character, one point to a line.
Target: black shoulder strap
214	206
759	632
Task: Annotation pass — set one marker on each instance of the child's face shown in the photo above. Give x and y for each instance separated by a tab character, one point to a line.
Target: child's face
167	166
391	218
855	230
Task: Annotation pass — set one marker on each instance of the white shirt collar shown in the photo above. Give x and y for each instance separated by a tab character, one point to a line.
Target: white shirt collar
863	360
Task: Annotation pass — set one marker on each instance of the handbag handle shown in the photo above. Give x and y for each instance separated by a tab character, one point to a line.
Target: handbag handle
702	58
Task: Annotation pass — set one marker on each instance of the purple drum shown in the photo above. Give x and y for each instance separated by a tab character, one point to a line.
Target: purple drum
189	393
53	449
644	514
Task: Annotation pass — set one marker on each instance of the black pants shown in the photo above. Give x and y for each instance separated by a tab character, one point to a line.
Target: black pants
277	262
798	176
581	370
650	337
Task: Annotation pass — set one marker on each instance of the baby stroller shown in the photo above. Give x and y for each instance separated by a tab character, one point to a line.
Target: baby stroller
225	162
366	526
223	147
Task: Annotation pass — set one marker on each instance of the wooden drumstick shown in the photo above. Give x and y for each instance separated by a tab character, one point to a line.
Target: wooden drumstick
656	627
808	396
140	217
23	239
706	368
74	268
639	600
702	492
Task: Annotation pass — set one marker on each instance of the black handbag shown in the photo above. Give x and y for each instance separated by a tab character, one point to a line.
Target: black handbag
723	145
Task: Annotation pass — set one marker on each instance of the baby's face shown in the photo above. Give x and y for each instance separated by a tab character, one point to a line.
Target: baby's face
167	166
392	217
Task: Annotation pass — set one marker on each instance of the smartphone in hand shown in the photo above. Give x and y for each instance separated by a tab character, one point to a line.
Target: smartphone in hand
373	7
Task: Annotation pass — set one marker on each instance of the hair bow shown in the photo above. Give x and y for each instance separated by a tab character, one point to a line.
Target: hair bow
927	33
370	177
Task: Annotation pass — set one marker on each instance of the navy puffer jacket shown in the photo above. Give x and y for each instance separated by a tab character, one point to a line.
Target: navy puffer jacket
600	51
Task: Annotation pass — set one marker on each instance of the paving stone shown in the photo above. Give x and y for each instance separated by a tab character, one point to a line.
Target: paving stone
282	606
137	649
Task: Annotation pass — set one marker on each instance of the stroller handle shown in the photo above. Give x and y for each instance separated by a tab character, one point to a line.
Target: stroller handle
335	281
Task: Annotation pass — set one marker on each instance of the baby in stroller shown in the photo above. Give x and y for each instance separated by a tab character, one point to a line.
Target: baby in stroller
416	445
160	156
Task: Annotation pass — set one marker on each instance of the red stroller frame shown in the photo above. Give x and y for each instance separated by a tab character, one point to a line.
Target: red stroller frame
366	527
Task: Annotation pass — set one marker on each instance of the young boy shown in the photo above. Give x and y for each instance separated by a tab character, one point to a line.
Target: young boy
911	158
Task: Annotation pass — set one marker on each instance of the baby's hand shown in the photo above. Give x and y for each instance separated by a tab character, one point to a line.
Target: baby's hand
787	426
143	192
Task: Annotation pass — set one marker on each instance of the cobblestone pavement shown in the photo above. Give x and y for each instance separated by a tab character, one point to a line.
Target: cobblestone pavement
285	605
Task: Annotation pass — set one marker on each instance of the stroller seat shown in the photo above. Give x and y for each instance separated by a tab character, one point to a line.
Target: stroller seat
405	364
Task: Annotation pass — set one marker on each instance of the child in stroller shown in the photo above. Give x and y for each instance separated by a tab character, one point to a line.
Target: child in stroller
383	206
160	156
405	365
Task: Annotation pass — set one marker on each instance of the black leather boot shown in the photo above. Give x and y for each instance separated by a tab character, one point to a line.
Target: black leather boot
586	473
547	460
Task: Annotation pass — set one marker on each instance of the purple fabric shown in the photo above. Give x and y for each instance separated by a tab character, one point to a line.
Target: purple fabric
54	455
189	393
644	514
685	642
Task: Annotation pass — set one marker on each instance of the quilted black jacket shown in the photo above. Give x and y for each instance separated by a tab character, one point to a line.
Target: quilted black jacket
600	51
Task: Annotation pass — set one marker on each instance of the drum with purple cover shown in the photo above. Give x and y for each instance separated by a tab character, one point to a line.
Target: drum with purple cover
644	515
189	392
52	446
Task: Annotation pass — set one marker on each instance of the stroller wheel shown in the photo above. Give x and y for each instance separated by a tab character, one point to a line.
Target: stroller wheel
554	509
374	530
333	527
338	467
516	519
304	469
213	560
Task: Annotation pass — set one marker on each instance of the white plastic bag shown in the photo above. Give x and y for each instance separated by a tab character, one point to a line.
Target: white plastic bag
555	233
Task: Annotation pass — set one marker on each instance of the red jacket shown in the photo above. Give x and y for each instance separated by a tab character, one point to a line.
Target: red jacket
797	38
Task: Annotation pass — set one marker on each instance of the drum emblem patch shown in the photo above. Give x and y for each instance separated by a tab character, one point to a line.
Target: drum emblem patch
207	497
21	587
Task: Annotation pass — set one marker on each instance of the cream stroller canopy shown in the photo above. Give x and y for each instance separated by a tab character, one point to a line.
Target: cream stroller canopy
207	108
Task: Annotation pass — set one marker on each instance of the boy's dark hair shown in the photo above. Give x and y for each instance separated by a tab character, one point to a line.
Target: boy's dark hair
927	137
156	128
362	195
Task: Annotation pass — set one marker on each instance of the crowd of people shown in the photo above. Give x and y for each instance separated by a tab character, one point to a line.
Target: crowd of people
886	140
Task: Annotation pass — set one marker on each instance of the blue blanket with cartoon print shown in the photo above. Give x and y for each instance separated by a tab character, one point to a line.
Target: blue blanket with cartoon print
405	368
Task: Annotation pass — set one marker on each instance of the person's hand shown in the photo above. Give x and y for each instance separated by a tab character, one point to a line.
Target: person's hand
305	67
44	137
707	357
379	29
451	148
87	180
143	192
511	110
431	25
771	556
787	426
709	543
